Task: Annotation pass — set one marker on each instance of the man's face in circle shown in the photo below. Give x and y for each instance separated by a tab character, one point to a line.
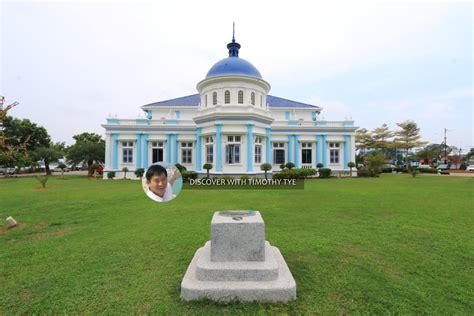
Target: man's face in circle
157	184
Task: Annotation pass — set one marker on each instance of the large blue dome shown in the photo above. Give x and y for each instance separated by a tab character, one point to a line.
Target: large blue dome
233	66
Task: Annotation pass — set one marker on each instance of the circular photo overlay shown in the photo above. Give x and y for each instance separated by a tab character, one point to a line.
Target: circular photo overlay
162	182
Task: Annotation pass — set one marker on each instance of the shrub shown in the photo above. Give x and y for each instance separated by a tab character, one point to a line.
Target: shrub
351	165
111	174
139	172
366	173
180	167
387	170
401	169
413	171
42	180
444	172
125	170
189	175
324	172
282	166
265	167
290	165
244	178
303	173
375	162
427	170
286	174
208	167
319	165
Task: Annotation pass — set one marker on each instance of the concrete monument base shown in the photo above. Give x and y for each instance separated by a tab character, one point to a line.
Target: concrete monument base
238	264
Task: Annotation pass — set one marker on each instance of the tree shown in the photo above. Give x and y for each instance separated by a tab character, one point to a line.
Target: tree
62	166
49	154
374	162
208	167
380	138
408	137
290	165
363	139
125	170
351	165
265	167
18	137
89	147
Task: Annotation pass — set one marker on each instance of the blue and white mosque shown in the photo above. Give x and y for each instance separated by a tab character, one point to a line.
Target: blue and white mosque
231	123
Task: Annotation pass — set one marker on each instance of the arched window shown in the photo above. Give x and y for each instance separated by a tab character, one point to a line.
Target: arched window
252	98
241	97
227	97
214	98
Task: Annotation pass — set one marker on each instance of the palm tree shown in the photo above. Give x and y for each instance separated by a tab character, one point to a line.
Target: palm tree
208	167
266	167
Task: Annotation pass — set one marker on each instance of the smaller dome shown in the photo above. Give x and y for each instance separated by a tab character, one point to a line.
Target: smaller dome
233	66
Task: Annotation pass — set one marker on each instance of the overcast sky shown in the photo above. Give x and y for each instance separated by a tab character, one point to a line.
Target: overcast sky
72	64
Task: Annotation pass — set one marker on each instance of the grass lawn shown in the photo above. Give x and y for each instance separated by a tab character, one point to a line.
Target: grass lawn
394	244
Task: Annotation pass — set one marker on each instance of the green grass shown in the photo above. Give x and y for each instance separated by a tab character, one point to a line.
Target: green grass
395	244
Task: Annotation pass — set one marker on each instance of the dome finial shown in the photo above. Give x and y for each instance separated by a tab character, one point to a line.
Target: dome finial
233	46
233	32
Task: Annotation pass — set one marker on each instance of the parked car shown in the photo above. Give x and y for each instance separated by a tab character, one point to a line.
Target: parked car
7	170
470	168
424	166
443	167
57	169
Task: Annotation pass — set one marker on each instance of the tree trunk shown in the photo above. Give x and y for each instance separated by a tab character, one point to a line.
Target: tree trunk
90	172
46	168
207	173
266	174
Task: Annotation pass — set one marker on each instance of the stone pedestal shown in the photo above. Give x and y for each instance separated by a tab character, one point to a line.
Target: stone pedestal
238	264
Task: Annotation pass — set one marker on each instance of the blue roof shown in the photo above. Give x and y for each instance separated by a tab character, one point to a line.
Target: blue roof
233	66
194	99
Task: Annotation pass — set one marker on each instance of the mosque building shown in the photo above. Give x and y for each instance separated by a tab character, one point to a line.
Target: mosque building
231	123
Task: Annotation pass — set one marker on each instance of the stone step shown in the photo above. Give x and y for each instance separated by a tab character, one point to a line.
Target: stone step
207	270
283	289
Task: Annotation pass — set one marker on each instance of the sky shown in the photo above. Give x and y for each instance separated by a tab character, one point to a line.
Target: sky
72	64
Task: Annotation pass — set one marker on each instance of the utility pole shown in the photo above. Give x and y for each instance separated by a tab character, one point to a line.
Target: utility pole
445	144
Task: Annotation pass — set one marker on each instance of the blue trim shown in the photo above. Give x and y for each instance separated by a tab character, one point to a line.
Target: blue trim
324	150
175	149
168	148
178	114
112	121
297	154
321	123
347	143
348	123
290	149
171	122
318	148
142	122
149	114
218	148
287	116
313	116
268	144
139	151
114	151
198	149
293	123
249	147
145	151
247	119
